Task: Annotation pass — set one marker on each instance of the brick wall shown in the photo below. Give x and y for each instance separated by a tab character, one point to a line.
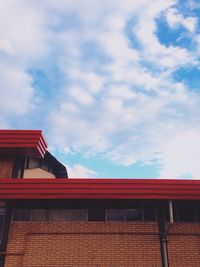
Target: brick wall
60	244
6	166
184	245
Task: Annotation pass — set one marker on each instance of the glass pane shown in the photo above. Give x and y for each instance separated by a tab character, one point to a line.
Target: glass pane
97	214
134	215
197	208
115	215
149	213
124	214
76	214
2	208
39	215
185	213
57	215
33	163
21	214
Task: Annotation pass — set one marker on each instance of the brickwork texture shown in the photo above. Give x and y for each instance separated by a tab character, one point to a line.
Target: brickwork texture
60	244
184	245
6	167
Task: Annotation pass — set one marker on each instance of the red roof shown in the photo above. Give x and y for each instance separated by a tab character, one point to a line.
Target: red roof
22	142
99	188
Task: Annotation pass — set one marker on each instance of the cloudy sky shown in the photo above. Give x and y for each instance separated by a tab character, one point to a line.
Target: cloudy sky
114	84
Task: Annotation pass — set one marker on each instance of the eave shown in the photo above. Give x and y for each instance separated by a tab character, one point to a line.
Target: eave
166	189
22	143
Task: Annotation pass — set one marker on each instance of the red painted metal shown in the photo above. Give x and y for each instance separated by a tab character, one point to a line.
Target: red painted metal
99	188
22	142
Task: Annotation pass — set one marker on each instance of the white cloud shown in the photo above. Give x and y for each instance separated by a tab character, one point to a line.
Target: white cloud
180	155
117	97
158	54
175	19
135	109
80	95
21	29
17	95
79	171
22	40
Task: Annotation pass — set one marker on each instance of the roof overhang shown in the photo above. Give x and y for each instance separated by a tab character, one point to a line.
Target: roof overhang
11	189
22	142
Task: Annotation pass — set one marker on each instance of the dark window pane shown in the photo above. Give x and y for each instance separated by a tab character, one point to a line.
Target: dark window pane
149	213
185	213
2	208
76	215
33	163
21	214
124	214
96	214
39	215
114	215
198	212
57	215
134	215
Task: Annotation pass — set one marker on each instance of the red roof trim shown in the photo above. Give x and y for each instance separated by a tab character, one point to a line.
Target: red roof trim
99	188
22	142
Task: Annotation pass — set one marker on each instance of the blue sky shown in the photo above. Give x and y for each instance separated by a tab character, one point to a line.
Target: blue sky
114	86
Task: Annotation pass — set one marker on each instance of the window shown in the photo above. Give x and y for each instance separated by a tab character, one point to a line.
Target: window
33	163
56	215
50	215
21	215
96	214
68	215
76	215
124	215
130	211
197	210
184	212
91	210
39	214
149	212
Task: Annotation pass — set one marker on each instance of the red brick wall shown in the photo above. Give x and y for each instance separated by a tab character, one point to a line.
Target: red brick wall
60	244
6	166
184	245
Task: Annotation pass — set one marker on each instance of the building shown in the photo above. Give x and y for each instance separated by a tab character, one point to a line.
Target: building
53	222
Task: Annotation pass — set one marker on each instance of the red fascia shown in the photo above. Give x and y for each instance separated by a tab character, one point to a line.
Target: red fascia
22	142
99	189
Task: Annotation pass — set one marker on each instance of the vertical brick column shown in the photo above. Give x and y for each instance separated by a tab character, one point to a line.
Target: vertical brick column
6	166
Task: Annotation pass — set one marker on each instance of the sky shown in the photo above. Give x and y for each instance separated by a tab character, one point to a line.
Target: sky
114	85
